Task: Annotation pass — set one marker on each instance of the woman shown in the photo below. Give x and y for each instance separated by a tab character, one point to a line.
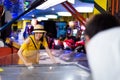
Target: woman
29	51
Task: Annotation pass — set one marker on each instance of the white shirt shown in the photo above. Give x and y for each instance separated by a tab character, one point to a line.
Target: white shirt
1	43
103	52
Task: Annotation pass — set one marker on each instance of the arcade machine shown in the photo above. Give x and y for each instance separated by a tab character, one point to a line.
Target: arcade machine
46	72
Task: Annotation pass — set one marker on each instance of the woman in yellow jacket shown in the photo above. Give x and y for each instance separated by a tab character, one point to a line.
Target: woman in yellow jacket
29	50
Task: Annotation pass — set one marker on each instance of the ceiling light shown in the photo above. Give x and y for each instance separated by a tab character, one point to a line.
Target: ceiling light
50	3
33	15
64	14
23	19
42	18
51	16
52	9
71	1
84	9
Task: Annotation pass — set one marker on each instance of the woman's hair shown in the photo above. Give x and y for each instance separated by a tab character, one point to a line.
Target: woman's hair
41	39
100	22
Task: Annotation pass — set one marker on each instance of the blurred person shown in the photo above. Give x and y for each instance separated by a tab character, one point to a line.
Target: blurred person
29	27
1	43
29	51
102	53
28	30
34	21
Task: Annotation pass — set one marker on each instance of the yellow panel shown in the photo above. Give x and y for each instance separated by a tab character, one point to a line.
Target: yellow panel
24	22
102	4
20	24
14	24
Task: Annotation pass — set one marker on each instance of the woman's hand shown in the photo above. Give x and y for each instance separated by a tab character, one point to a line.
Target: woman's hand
28	64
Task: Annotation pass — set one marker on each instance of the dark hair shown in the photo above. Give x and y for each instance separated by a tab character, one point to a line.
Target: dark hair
100	22
41	39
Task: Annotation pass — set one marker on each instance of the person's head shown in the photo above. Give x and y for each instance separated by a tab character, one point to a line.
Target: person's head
39	32
34	22
98	23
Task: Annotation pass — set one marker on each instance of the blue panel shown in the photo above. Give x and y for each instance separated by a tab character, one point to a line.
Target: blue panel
61	29
14	15
88	1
